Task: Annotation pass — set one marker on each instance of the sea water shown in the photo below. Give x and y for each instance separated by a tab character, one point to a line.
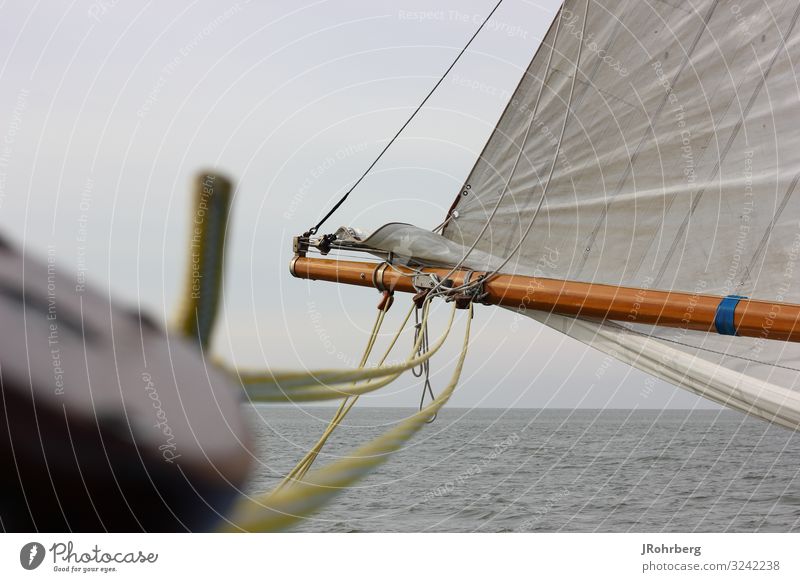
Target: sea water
524	470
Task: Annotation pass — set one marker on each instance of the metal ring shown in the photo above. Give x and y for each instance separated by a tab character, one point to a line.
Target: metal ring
292	264
377	277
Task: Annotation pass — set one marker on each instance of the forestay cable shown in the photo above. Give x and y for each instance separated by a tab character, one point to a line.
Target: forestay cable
557	153
314	229
546	185
505	189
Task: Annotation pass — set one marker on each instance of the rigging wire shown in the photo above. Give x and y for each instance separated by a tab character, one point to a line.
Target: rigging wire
516	162
312	493
558	149
506	186
314	229
527	231
424	370
442	224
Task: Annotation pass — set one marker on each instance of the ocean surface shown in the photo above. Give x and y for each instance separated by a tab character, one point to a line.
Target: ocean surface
489	470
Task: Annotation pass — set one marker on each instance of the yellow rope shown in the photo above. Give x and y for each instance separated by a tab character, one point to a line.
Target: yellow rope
264	389
281	508
347	404
300	469
285	505
213	195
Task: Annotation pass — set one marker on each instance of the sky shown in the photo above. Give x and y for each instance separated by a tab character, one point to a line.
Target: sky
108	108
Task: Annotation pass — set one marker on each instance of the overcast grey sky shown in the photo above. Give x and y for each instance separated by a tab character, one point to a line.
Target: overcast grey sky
108	108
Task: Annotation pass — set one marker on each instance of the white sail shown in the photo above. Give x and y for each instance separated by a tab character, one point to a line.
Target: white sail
677	170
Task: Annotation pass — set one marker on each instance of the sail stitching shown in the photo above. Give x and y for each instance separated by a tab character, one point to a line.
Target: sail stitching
598	61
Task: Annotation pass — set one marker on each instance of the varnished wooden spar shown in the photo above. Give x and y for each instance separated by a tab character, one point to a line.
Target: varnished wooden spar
753	318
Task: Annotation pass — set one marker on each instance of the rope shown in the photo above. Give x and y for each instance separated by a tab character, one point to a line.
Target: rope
309	386
197	319
347	404
207	252
314	229
283	507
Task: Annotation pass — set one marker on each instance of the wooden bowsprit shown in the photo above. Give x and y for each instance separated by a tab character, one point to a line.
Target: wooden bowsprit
731	315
